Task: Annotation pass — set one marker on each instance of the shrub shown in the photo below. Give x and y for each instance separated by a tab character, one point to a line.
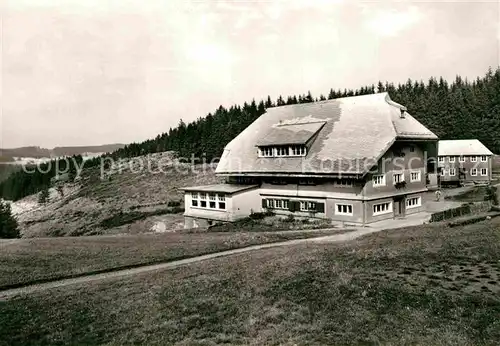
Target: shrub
492	194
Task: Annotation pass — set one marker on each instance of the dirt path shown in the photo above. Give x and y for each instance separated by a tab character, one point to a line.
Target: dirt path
7	294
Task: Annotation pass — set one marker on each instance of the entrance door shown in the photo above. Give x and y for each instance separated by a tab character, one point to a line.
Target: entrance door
399	206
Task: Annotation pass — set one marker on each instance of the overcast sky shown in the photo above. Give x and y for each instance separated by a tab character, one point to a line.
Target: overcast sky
93	72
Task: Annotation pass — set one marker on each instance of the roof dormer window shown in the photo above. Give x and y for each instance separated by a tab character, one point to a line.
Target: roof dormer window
266	152
283	151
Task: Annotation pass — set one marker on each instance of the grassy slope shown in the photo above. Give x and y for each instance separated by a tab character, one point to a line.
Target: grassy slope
423	285
27	260
137	190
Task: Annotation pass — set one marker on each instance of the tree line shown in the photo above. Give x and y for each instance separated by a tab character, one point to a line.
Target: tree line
460	109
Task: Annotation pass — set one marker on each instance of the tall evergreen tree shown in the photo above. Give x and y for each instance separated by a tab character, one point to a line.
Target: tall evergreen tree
8	224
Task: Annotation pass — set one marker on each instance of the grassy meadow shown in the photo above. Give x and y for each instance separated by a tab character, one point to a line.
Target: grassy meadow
426	285
38	259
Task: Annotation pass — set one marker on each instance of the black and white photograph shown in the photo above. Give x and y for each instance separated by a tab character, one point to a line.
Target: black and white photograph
249	172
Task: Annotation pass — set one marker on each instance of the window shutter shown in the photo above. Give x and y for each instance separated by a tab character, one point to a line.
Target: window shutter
264	203
320	207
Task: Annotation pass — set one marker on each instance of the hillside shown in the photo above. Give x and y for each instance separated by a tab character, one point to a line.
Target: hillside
130	201
38	152
425	285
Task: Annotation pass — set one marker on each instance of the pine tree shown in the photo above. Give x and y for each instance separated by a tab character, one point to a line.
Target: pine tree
8	224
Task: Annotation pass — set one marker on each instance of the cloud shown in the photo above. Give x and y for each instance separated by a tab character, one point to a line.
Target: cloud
390	22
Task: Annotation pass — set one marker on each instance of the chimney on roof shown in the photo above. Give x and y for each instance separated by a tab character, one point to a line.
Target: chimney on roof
402	116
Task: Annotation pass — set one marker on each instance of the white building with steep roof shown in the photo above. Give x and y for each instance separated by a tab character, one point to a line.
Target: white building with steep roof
357	159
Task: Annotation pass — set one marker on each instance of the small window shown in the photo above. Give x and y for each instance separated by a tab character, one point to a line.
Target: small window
282	151
203	204
413	202
415	176
270	203
484	172
298	150
194	202
266	152
441	159
203	196
398	178
473	171
343	183
473	159
194	195
452	158
212	196
307	206
484	158
412	149
452	172
461	158
221	197
212	205
379	180
222	205
344	209
382	208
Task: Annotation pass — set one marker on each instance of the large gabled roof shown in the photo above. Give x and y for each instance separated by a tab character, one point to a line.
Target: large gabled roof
462	147
355	132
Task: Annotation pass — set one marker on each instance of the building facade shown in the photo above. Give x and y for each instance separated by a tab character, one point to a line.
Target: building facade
358	159
464	161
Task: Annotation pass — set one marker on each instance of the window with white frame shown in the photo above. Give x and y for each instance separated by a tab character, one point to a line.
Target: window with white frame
298	150
266	152
212	198
343	183
452	158
413	202
281	204
461	159
215	200
222	201
473	171
441	158
379	180
452	172
194	199
415	176
307	206
382	208
444	171
484	158
484	172
277	204
282	151
398	178
473	159
343	209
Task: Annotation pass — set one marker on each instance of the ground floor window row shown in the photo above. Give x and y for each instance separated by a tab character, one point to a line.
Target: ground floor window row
291	205
208	200
473	172
413	202
340	208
